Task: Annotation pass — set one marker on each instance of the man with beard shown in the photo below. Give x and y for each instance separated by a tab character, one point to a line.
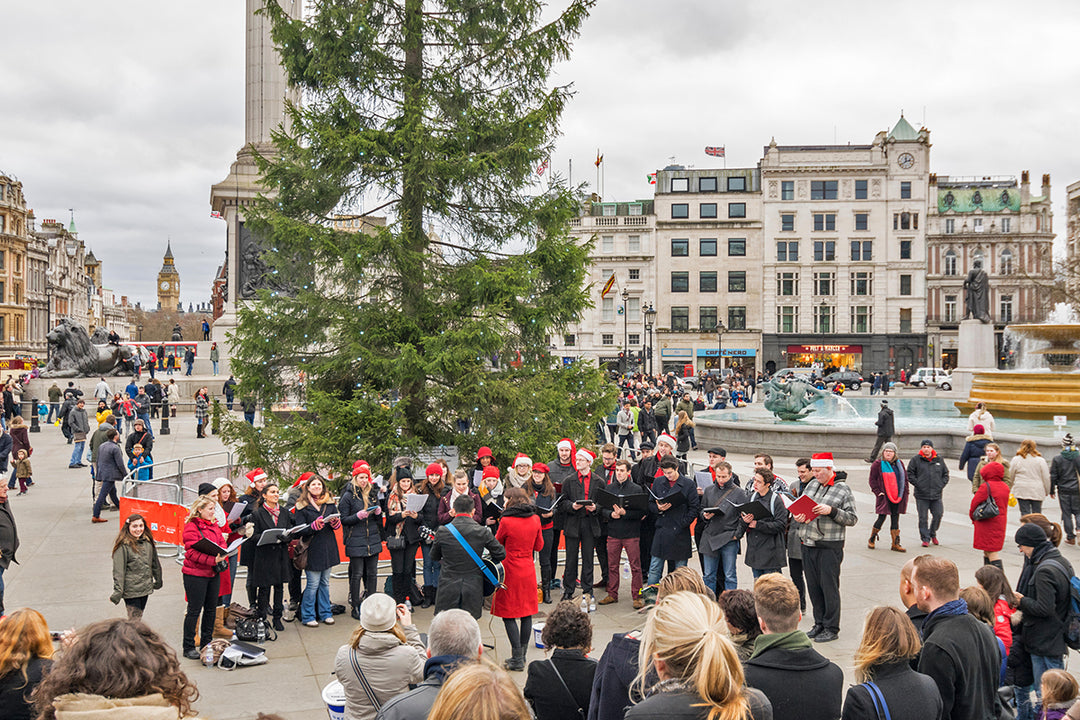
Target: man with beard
560	470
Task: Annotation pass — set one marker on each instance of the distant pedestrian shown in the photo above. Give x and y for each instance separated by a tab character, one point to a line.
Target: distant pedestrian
1030	478
20	440
888	482
215	356
1065	482
886	428
229	388
80	429
54	401
189	360
990	532
110	470
981	416
206	331
202	412
928	476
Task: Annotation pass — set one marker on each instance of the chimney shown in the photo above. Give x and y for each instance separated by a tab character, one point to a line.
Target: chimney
1025	189
1046	186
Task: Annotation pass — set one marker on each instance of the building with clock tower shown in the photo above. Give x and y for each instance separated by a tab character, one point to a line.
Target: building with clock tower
168	282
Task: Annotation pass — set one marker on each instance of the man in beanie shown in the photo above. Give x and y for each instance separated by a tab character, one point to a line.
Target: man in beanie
1043	591
1065	483
886	428
928	476
581	510
461	583
822	535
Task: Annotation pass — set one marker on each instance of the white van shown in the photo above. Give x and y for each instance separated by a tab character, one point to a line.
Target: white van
931	376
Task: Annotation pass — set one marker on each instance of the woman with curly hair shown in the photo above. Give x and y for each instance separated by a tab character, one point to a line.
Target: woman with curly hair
25	652
116	669
740	614
561	686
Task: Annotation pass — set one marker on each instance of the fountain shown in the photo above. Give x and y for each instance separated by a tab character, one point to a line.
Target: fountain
1035	393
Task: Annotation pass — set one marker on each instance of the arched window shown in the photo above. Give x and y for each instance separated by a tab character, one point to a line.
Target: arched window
1006	262
950	262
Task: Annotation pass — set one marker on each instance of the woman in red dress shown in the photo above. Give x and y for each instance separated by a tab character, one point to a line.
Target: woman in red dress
990	533
519	532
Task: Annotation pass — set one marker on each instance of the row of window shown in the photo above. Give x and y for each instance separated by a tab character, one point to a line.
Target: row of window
681	211
977	225
1005	307
736	281
680	247
862	283
825	250
707	317
632	340
708	184
828	190
824	222
824	316
1005	262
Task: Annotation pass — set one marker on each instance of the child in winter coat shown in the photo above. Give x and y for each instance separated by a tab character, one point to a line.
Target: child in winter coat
1059	692
140	461
24	472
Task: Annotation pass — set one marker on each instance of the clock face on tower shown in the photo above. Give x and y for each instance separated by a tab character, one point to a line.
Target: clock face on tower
165	285
906	160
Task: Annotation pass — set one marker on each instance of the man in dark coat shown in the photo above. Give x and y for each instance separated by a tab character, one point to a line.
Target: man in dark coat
111	469
1044	594
928	476
960	653
624	532
9	539
561	468
189	360
581	522
800	683
461	584
1065	483
453	639
719	545
671	541
886	428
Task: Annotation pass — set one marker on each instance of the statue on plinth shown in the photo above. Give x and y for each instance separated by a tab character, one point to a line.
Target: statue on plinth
977	293
73	354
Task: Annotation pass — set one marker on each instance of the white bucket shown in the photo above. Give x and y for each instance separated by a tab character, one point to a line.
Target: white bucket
538	628
334	697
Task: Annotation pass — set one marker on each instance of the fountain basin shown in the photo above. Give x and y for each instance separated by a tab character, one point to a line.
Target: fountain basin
1029	395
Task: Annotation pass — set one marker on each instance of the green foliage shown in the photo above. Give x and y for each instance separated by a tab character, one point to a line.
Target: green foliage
432	111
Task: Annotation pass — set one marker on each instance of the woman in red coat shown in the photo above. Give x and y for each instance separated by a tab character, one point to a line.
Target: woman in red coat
990	534
519	532
201	577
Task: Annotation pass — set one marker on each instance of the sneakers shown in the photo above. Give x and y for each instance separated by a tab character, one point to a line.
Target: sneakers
277	624
934	540
192	654
925	544
1070	541
312	623
826	636
815	631
329	621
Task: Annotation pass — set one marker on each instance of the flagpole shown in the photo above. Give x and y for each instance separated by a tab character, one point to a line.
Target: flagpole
571	163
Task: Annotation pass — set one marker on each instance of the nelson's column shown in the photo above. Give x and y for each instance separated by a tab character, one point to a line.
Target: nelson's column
265	94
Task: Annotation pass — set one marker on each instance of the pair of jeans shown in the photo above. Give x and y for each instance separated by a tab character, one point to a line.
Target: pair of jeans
615	547
758	572
108	489
432	568
215	364
928	531
1070	512
627	439
190	367
54	410
145	417
727	559
315	602
1039	665
202	597
1029	506
656	568
77	453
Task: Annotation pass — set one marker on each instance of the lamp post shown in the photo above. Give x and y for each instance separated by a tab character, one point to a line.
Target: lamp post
626	338
720	330
139	328
650	318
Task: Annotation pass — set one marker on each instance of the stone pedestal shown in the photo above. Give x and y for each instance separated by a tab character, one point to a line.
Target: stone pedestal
975	349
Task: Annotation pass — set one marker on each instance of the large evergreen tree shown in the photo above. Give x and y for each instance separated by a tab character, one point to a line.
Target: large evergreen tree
434	113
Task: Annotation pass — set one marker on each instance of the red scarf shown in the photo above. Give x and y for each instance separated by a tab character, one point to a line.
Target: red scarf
274	512
889	479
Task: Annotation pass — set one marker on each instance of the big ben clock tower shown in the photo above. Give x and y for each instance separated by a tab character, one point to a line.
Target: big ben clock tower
168	282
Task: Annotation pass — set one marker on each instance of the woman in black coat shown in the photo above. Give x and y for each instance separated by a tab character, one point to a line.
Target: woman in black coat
568	634
766	551
361	518
270	565
312	509
432	486
889	643
403	540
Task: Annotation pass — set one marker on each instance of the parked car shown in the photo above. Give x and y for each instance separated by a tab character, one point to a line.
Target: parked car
803	373
851	379
931	376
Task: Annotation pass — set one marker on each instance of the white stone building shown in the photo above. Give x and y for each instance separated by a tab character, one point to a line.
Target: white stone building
844	262
1072	241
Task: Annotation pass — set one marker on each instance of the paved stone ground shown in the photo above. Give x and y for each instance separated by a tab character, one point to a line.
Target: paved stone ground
65	572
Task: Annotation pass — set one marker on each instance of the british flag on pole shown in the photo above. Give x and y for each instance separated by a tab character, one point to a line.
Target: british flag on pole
715	150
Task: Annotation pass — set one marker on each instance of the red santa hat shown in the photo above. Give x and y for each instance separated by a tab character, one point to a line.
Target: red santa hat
565	443
490	471
522	459
667	440
822	460
361	466
255	475
303	479
541	468
586	454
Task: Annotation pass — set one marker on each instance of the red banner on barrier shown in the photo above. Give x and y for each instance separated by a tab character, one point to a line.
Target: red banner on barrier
165	520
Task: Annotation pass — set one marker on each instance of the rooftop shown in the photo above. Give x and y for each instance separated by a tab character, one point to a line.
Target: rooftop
903	130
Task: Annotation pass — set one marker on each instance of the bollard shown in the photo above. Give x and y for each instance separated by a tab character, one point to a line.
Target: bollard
35	424
165	419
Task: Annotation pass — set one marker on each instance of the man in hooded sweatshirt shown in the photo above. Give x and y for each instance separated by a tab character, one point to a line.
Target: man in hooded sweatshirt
1065	483
784	664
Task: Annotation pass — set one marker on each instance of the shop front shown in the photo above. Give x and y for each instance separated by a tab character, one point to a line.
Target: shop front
610	362
677	360
825	358
744	359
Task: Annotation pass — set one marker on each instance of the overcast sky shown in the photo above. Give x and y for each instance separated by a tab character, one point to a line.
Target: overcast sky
129	111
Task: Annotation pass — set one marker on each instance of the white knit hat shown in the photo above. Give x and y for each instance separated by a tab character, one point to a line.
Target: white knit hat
378	613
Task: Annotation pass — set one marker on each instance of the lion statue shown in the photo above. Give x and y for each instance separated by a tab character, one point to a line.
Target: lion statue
72	354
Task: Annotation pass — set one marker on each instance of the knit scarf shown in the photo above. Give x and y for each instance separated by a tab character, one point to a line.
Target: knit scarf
794	640
893	480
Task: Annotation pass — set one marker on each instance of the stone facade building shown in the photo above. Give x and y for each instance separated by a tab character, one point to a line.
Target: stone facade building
67	285
15	223
844	265
997	221
1072	243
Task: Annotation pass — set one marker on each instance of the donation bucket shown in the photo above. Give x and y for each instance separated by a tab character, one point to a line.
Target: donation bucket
538	628
334	697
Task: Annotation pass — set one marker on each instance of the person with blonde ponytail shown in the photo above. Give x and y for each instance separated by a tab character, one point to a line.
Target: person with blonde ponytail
685	645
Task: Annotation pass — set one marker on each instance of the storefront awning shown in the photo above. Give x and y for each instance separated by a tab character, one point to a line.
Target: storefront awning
842	349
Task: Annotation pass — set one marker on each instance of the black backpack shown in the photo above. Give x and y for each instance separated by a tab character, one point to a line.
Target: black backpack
1072	615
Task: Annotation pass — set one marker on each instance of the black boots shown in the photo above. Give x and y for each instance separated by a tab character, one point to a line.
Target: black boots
873	538
547	593
429	596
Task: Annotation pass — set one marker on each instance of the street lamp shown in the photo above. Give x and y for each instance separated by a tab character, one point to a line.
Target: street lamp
626	337
650	317
720	330
139	328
